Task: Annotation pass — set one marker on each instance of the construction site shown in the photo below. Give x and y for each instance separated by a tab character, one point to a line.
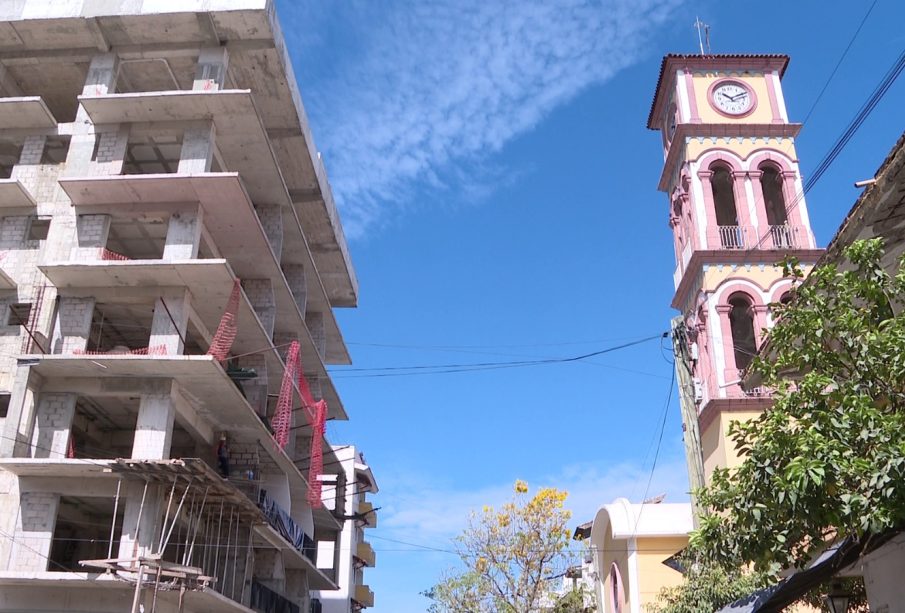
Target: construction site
170	258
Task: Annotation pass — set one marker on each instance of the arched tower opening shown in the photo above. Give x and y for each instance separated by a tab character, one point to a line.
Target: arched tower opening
741	324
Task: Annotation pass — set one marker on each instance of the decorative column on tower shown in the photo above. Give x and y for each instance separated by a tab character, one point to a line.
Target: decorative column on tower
736	210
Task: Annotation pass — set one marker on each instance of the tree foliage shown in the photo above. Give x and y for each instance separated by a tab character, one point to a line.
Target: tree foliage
508	555
708	587
828	459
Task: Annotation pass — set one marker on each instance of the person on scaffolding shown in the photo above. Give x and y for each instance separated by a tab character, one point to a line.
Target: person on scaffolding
223	456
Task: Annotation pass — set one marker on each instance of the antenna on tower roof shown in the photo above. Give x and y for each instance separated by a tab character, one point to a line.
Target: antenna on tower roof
703	35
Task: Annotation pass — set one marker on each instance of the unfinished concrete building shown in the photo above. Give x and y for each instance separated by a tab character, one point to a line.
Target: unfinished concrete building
170	256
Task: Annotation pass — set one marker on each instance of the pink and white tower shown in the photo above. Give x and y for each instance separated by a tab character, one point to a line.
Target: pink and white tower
736	208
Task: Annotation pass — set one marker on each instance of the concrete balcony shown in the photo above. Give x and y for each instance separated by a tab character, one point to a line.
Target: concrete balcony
363	596
367	509
14	198
25	113
212	402
210	281
366	554
234	226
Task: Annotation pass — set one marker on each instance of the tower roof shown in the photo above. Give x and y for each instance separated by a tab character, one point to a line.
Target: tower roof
729	61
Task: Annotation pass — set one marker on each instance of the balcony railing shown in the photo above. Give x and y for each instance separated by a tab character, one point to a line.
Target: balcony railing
732	237
784	236
753	392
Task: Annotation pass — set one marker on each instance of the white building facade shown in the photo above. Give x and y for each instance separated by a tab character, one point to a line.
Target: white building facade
346	494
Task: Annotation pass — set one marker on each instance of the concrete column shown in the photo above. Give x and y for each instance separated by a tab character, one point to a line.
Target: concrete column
154	428
53	421
75	323
183	235
260	294
111	151
28	170
271	217
314	384
34	532
297	588
197	148
8	85
170	322
102	73
269	569
210	72
92	232
140	530
19	424
101	80
314	321
256	389
295	277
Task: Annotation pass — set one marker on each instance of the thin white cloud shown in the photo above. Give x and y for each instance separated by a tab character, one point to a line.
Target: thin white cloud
422	513
424	94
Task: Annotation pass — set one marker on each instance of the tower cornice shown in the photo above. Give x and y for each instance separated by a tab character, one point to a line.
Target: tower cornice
723	62
738	257
720	130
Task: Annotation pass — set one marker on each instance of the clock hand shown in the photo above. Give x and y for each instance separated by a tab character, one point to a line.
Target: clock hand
739	96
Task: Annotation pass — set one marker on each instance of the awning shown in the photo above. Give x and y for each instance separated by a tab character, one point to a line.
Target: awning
777	597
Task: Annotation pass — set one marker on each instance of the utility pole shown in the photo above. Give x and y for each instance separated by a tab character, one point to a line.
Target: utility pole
691	434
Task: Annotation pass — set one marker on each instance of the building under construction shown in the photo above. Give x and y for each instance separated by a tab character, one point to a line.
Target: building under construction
170	255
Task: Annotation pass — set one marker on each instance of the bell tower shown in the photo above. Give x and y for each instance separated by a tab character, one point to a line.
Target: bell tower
736	209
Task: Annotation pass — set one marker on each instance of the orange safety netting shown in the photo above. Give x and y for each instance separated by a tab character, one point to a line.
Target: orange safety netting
153	350
229	326
106	254
315	412
70	449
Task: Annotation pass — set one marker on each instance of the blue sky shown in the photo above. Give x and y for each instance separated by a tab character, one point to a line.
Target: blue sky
498	188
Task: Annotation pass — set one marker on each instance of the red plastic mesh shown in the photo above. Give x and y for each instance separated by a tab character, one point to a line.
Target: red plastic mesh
317	455
153	350
70	449
282	418
106	254
315	413
229	326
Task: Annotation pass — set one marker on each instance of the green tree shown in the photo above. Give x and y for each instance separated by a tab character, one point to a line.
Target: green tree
508	555
708	587
828	459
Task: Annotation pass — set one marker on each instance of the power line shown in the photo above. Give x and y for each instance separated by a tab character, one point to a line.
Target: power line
843	139
387	371
839	62
653	467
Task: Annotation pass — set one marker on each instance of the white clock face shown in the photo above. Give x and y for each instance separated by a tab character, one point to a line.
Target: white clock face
732	98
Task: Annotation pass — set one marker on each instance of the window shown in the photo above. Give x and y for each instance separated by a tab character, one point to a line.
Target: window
38	229
4	404
741	323
18	314
617	591
723	197
774	201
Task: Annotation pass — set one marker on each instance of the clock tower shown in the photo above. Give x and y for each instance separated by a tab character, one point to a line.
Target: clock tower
736	209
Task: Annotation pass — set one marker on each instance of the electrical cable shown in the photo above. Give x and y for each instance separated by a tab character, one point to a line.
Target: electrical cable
388	371
657	452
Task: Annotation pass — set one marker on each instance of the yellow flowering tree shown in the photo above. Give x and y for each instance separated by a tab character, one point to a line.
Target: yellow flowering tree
509	555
